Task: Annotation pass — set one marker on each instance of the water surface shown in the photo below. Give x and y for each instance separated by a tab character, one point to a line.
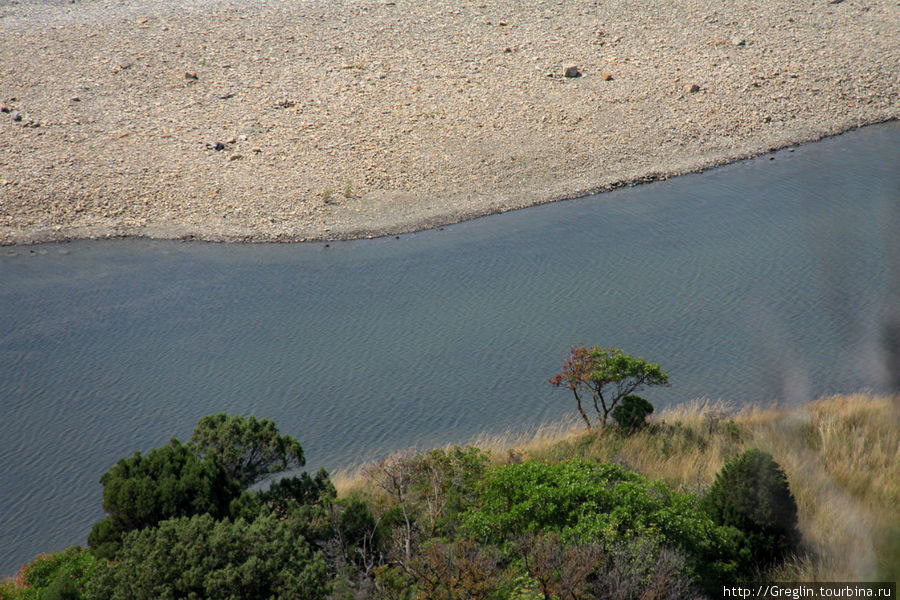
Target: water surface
764	280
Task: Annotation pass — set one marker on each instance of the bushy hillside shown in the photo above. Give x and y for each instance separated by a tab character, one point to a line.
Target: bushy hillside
700	495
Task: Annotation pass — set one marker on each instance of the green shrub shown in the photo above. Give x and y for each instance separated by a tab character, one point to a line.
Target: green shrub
167	482
199	557
751	493
631	415
53	576
359	534
603	504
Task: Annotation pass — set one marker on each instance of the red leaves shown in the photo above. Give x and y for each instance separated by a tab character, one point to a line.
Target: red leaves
577	370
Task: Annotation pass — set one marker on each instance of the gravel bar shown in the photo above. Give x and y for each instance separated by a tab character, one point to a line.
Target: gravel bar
292	120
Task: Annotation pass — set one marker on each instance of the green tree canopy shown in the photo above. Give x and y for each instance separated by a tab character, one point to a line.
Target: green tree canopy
167	482
751	493
609	375
199	557
248	448
603	504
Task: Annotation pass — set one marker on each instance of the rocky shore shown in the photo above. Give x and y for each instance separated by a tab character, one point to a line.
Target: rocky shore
287	120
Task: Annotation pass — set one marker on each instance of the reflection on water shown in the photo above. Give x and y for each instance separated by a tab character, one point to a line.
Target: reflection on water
764	280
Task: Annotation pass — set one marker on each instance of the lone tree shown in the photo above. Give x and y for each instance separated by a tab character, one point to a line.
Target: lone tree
609	375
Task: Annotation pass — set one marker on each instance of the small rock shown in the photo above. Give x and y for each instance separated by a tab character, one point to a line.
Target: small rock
15	116
606	76
738	41
74	99
218	146
4	108
230	140
508	50
692	89
190	75
235	157
226	96
256	150
572	72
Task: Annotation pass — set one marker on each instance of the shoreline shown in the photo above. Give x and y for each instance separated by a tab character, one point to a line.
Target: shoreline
186	233
368	119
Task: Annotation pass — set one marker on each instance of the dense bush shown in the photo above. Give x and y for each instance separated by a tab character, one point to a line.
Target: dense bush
167	482
248	448
632	413
199	557
226	455
441	525
752	494
603	504
53	576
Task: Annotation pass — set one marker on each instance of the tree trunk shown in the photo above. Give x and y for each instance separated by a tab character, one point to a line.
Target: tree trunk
581	410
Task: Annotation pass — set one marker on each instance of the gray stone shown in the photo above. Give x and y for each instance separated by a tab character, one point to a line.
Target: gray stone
572	71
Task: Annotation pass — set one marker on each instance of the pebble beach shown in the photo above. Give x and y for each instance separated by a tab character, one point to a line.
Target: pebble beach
292	120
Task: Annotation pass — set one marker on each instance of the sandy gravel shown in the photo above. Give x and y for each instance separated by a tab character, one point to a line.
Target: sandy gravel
361	118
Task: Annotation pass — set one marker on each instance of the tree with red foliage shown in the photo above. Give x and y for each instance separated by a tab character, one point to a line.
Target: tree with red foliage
608	374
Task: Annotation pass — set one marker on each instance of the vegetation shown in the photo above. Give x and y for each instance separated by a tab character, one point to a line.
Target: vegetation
696	494
609	375
752	494
632	414
172	481
199	557
248	449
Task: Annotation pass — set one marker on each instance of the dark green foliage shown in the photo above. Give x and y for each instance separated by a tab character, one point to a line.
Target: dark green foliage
752	494
199	557
303	490
168	482
359	535
248	448
631	415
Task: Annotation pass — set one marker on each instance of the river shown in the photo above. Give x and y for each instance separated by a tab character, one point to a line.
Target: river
767	280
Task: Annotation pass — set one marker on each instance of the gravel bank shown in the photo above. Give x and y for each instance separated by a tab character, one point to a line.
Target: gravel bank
361	118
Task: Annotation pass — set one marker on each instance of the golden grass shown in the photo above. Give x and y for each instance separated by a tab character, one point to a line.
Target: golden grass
841	455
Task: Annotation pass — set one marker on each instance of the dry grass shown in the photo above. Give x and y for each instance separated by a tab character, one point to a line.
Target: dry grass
841	455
